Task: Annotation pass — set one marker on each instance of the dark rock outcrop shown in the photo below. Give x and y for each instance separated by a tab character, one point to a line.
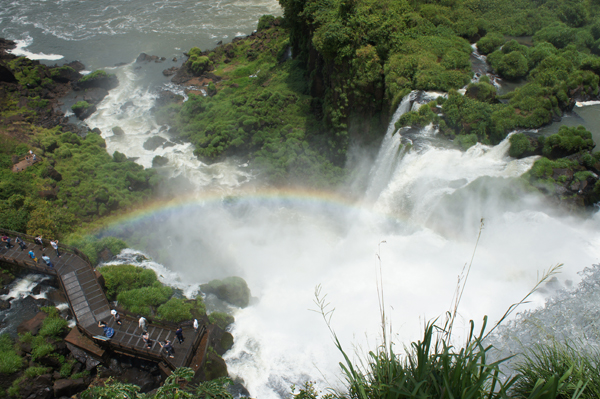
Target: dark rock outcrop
170	71
69	387
6	75
154	142
143	57
95	95
39	388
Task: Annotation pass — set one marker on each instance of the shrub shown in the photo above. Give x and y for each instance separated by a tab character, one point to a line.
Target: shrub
221	319
265	22
80	105
175	310
10	361
490	42
543	168
519	144
53	327
98	74
92	246
568	140
143	300
120	278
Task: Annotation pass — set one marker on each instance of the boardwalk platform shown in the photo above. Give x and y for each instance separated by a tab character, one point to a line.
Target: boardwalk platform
89	305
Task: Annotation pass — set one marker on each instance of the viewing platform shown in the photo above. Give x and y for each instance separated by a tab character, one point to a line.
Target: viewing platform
80	282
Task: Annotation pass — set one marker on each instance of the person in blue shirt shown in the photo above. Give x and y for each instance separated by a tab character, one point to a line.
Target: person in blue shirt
109	332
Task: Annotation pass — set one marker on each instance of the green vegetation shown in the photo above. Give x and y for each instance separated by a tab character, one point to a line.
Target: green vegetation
92	246
221	319
577	365
80	105
171	388
122	278
260	109
10	361
96	75
138	290
568	141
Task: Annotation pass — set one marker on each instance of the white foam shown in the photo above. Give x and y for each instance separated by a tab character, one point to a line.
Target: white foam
586	103
22	52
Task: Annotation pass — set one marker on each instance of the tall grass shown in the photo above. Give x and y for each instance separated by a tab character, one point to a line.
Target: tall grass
432	368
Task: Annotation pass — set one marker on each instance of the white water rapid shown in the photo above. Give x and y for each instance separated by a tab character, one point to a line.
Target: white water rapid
425	203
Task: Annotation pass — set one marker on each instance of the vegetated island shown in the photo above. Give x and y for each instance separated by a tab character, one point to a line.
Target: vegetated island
295	94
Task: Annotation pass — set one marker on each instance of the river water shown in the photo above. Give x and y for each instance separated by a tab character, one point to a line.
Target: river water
410	219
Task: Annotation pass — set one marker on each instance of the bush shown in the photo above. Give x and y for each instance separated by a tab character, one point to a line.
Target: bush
175	310
53	327
80	105
121	278
143	301
265	22
92	246
10	361
519	144
98	74
490	42
221	319
568	140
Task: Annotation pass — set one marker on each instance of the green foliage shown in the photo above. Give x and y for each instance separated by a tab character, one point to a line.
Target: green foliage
80	105
96	75
519	144
66	369
35	371
543	168
10	361
53	327
121	278
551	362
221	319
213	389
265	22
489	43
113	390
568	140
143	300
92	246
40	347
176	310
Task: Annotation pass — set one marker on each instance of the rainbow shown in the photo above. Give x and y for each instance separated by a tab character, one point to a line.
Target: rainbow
298	198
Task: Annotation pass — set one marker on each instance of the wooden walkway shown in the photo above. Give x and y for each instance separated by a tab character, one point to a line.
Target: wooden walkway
89	304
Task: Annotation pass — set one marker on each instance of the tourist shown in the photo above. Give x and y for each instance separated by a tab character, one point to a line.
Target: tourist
47	260
116	316
147	340
21	243
6	239
108	331
168	347
179	335
54	244
143	323
196	325
38	240
32	255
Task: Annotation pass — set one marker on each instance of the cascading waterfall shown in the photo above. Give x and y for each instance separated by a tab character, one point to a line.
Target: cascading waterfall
425	203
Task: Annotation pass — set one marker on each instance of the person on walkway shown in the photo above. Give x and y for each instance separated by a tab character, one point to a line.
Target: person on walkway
196	325
179	335
6	239
116	316
46	259
54	244
168	347
21	243
32	255
34	158
38	240
109	332
143	323
147	340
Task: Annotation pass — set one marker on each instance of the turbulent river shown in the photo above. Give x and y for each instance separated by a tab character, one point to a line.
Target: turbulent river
411	217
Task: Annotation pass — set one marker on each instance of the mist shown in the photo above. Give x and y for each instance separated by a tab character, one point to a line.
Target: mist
417	230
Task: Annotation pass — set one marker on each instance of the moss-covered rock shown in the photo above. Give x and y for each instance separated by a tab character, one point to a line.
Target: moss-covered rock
231	289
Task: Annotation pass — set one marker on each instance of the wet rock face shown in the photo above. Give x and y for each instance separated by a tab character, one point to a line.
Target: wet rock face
32	326
154	142
68	387
143	57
